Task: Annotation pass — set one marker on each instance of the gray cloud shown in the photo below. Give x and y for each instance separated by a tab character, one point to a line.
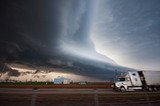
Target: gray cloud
10	72
40	30
64	34
129	30
75	23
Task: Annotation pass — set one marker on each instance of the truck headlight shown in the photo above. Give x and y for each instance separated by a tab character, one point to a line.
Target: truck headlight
113	85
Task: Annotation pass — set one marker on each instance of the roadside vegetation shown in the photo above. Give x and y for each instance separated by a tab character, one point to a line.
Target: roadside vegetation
98	85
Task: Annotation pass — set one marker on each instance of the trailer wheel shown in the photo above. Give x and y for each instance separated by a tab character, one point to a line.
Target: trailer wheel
122	89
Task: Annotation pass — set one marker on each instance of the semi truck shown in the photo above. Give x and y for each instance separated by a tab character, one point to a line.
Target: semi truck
138	80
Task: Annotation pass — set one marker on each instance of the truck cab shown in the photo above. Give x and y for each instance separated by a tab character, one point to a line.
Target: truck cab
128	82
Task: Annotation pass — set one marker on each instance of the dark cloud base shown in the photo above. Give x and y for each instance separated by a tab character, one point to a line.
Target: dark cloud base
29	35
4	68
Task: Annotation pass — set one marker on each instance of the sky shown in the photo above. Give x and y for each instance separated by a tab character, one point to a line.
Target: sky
118	32
127	31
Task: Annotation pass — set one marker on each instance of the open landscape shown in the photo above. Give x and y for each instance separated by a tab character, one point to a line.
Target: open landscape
39	85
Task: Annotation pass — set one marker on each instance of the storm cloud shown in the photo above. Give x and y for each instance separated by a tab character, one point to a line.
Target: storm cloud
81	35
10	72
35	28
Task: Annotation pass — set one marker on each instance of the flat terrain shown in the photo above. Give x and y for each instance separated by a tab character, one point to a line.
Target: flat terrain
76	97
41	85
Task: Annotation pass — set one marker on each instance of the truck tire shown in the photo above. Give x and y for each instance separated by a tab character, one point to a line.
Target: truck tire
150	89
156	89
122	89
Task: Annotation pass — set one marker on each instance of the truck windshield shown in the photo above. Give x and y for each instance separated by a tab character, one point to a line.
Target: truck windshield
121	79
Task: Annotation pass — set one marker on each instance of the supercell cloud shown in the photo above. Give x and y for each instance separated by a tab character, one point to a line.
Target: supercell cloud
47	28
76	33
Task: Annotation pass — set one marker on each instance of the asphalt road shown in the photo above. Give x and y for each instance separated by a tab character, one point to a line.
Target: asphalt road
55	91
76	97
65	91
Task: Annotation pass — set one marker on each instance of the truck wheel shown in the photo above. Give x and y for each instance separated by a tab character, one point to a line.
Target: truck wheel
155	88
150	89
122	89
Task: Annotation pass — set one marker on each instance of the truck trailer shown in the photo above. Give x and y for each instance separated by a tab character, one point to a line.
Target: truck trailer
138	80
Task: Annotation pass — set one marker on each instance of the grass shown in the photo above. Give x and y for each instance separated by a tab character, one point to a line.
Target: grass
51	85
26	83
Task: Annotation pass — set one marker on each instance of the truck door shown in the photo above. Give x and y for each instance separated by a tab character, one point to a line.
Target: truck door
135	79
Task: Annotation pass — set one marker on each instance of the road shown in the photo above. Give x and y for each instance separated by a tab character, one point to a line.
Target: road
76	97
55	91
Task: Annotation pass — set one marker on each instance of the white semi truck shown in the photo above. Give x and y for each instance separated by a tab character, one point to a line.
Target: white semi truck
138	80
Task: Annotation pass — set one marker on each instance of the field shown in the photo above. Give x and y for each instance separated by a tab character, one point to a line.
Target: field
37	85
